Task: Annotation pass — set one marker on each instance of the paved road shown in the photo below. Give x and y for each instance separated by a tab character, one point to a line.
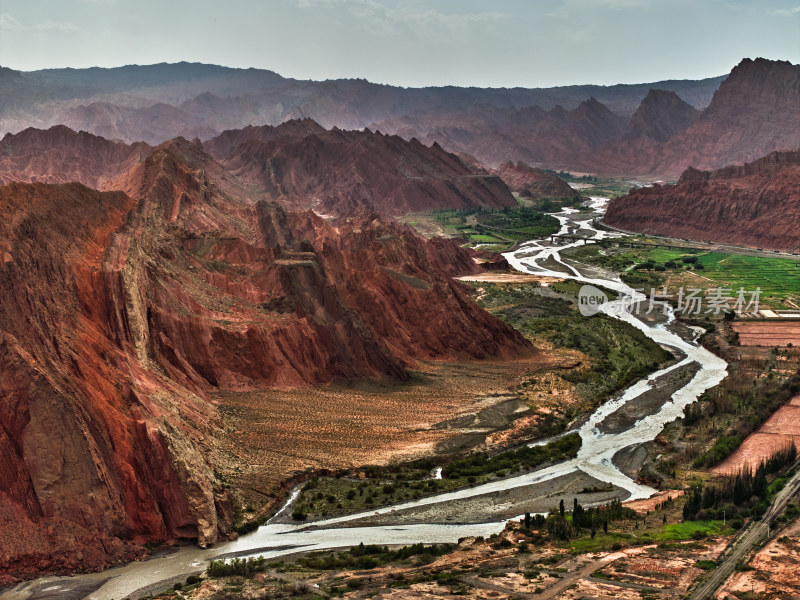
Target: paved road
749	539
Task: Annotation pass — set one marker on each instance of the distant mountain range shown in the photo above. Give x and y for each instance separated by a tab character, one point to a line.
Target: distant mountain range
160	102
654	129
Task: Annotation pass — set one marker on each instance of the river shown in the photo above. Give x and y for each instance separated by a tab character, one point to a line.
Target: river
595	458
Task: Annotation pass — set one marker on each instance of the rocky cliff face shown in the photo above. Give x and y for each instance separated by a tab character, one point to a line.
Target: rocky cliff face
120	312
100	448
661	115
60	155
756	204
755	111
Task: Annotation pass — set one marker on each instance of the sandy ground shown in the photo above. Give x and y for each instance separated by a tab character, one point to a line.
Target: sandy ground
776	571
650	402
649	504
509	278
768	333
780	430
271	436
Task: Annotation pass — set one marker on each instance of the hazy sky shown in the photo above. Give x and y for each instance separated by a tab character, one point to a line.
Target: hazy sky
530	43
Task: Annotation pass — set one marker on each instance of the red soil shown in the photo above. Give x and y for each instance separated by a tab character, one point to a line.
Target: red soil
756	205
780	430
768	333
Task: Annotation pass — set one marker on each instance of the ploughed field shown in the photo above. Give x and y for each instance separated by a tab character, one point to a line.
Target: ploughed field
768	333
777	433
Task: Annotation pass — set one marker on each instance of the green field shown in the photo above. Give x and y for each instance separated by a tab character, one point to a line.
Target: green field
495	230
778	278
673	532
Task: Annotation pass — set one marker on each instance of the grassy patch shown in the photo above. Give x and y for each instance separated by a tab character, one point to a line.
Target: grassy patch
519	224
663	535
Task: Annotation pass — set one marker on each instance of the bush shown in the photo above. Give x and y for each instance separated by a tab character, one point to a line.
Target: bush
237	566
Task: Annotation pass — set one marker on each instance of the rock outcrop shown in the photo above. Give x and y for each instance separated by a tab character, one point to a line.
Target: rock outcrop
755	111
756	205
61	155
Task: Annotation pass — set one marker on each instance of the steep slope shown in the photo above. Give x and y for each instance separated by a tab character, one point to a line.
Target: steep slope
119	318
98	449
534	183
225	143
338	172
61	155
757	205
755	111
661	115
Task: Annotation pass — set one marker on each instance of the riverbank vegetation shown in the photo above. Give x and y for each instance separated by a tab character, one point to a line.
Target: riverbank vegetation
529	556
376	486
492	229
619	353
745	494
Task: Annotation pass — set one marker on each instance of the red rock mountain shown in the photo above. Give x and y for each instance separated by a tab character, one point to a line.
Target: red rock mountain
580	128
755	111
60	155
534	183
337	172
661	115
756	205
122	311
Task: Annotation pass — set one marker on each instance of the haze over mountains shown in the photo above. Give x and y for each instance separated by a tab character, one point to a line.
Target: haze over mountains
656	129
298	163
